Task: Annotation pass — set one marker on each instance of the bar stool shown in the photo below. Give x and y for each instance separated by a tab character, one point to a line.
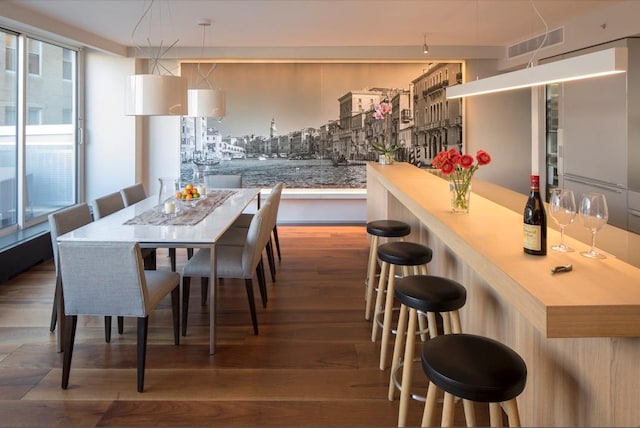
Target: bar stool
380	229
421	294
473	368
392	254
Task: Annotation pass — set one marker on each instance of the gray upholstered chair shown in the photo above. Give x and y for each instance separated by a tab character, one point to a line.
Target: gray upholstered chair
108	204
245	218
61	222
233	261
223	181
132	194
108	279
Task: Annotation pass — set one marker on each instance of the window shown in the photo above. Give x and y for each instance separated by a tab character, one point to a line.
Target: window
34	57
67	64
10	52
47	180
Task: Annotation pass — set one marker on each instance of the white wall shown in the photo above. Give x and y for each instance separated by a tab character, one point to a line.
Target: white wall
501	125
109	134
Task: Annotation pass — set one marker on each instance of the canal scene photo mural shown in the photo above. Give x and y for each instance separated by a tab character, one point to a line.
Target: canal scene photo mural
314	125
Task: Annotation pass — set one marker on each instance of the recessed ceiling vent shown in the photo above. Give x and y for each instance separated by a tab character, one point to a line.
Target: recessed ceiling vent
555	37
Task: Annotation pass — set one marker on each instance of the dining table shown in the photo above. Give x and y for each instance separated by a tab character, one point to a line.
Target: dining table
195	224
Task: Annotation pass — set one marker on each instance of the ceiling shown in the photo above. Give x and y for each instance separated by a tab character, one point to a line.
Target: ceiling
309	23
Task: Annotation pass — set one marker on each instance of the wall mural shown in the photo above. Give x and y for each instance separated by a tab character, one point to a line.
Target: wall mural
312	125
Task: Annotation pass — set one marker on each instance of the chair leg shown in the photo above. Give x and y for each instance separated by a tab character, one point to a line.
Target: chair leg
107	329
204	290
150	261
252	304
175	312
69	339
271	260
186	285
54	313
120	325
143	326
275	238
172	257
262	283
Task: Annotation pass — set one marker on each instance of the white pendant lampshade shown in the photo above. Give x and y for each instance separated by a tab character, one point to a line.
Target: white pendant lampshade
207	103
156	95
600	63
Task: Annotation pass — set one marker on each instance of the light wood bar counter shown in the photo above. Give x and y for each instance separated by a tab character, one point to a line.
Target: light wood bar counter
579	332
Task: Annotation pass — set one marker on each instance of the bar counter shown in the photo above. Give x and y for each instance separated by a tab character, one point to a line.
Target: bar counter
579	332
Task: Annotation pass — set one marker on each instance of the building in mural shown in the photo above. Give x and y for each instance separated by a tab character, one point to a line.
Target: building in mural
437	121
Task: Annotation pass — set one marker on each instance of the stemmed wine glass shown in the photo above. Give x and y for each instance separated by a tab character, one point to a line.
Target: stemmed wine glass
594	214
562	207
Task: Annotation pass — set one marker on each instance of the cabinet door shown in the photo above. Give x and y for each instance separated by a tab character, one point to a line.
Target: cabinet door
593	118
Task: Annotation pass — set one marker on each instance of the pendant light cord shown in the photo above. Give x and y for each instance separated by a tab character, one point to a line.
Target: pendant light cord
546	34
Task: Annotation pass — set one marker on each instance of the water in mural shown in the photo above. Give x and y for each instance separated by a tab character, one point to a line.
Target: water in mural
308	173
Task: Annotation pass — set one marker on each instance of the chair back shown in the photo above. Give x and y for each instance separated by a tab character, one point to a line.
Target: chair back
107	204
132	194
64	221
257	238
103	278
274	198
222	181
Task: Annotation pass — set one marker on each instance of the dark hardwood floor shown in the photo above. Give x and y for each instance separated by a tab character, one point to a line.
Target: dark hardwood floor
313	363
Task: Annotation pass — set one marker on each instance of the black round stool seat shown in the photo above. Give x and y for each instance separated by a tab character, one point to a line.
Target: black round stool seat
405	253
388	228
473	367
430	293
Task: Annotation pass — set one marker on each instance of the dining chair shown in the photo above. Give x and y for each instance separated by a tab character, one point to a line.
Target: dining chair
223	181
61	222
108	204
232	261
108	279
245	219
132	194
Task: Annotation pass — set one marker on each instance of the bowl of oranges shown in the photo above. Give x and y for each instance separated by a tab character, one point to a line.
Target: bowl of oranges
189	196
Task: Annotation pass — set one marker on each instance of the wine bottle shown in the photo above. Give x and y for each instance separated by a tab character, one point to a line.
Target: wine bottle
535	221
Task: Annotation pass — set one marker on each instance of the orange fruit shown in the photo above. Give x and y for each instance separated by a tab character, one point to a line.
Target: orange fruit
189	197
189	186
178	195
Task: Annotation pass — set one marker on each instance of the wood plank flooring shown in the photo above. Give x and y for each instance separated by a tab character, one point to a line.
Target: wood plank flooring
313	363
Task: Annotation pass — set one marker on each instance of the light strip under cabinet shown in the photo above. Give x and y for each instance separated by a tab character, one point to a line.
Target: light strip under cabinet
600	63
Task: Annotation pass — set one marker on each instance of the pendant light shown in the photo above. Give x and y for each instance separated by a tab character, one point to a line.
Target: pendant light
601	63
207	102
425	48
155	94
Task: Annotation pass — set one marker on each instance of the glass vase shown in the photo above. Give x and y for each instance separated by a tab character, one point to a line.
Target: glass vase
460	191
385	159
167	202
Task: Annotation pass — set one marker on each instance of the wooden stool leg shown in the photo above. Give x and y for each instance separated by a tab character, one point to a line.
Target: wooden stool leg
371	276
397	347
469	413
448	410
423	328
407	368
388	317
433	325
512	413
456	326
382	282
495	414
429	405
446	322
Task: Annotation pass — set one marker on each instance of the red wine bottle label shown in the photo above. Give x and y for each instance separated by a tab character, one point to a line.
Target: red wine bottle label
532	237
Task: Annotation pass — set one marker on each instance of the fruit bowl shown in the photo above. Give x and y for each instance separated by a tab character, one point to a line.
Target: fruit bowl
189	196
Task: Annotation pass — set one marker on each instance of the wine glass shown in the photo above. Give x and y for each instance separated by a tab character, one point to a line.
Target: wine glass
594	214
562	207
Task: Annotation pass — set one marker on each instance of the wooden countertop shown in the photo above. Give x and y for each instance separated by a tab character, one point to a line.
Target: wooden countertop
599	298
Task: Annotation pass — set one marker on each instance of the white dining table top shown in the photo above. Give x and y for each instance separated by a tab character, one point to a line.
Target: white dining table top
204	233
